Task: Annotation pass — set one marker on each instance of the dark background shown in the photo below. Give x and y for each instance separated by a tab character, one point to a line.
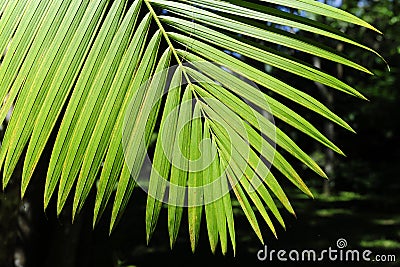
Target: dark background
360	203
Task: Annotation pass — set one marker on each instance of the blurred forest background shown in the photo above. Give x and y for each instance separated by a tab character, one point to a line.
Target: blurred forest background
359	203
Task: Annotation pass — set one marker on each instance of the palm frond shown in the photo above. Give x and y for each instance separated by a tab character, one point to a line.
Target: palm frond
99	74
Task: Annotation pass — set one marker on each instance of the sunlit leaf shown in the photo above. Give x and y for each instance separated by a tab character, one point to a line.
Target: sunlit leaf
95	82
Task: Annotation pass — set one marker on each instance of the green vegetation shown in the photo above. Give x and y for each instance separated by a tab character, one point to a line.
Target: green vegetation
84	121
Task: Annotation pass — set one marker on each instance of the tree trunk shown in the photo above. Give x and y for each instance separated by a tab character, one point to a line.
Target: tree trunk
329	132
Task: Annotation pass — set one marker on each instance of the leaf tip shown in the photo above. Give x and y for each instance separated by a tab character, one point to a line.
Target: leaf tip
213	249
363	97
6	179
111	230
352	130
23	191
171	243
74	214
376	30
148	238
46	201
307	191
294	214
59	208
339	151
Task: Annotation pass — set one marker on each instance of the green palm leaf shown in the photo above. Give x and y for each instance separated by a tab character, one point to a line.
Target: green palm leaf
94	74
